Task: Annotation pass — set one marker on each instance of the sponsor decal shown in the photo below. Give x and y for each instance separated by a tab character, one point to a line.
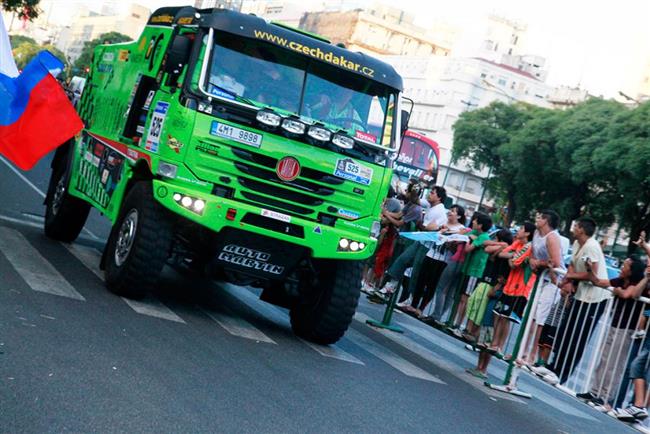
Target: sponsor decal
365	136
156	126
162	19
222	94
207	148
315	52
99	171
249	258
318	230
413	172
276	215
108	57
174	144
123	55
353	171
287	169
348	214
185	21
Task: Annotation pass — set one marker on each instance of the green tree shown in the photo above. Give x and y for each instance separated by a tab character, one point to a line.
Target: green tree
17	40
26	9
85	59
625	163
479	138
26	51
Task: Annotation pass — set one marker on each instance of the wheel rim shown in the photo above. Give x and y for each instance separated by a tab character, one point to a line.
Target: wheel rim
126	237
59	191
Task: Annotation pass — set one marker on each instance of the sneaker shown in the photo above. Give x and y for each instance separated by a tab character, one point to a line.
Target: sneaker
638	334
540	370
476	373
631	413
603	408
587	396
596	402
551	379
389	287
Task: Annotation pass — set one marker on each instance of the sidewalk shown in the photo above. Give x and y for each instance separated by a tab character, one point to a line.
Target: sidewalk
450	354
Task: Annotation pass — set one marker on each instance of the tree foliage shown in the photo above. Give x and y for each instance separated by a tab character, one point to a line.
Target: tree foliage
17	40
84	61
26	51
26	9
591	159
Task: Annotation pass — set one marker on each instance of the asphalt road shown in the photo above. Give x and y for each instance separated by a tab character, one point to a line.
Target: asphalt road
203	356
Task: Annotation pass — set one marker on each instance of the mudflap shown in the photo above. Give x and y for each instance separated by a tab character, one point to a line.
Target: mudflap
254	255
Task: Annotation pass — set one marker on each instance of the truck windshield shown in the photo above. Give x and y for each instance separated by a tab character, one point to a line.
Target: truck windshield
265	75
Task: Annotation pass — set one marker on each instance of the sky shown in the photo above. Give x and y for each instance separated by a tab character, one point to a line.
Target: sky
601	46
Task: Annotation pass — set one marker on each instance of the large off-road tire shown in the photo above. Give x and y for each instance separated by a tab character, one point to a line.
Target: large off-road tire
65	215
327	305
139	244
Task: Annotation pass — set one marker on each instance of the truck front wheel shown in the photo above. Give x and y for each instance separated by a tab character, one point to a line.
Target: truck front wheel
138	245
65	215
327	304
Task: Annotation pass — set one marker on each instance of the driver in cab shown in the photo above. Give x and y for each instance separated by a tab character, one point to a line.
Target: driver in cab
338	110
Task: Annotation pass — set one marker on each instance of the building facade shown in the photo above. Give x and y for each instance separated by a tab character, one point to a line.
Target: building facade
88	25
443	88
380	31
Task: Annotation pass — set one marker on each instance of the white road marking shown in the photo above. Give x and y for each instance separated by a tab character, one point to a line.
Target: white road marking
21	222
237	326
37	272
273	313
35	188
88	256
153	307
405	367
333	352
150	306
252	301
21	176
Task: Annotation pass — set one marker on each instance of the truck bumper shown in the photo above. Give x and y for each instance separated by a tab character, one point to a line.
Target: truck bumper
220	213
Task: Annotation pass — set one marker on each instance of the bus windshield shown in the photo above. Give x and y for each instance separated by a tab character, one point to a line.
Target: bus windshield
264	75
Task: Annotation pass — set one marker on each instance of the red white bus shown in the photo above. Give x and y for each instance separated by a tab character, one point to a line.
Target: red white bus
419	158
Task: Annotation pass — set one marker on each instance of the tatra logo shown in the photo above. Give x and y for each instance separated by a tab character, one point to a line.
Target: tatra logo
288	169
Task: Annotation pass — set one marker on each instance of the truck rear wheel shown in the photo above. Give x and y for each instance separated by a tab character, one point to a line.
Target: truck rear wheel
327	305
139	244
65	215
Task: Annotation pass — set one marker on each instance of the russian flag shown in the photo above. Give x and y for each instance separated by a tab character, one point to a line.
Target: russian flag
35	113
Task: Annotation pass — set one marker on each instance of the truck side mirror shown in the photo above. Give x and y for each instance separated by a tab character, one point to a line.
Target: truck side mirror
177	56
405	121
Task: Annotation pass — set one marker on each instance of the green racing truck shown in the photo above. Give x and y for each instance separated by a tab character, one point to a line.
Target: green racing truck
237	147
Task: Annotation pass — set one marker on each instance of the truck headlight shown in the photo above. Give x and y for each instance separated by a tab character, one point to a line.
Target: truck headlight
167	170
348	245
342	141
293	126
190	203
375	229
268	118
319	133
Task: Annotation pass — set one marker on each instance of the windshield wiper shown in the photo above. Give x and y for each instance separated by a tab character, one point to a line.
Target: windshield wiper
231	93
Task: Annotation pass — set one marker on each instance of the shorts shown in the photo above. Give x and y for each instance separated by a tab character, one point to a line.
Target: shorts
477	303
470	284
547	337
549	294
639	366
486	335
509	304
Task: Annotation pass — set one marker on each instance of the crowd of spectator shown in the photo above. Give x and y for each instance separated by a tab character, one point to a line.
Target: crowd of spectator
477	280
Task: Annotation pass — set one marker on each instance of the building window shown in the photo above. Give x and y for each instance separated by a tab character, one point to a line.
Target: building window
502	82
455	180
472	186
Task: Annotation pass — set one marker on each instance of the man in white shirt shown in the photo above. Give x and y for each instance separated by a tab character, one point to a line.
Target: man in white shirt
434	219
589	301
